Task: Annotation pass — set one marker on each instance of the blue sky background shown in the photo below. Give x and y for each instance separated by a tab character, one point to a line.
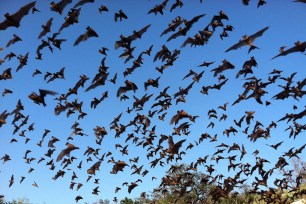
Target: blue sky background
286	21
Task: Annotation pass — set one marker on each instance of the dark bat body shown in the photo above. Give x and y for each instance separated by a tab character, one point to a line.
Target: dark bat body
247	40
15	19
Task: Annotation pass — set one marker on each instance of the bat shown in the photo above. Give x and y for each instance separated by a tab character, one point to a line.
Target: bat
82	2
46	28
15	19
126	41
247	40
59	7
298	47
89	33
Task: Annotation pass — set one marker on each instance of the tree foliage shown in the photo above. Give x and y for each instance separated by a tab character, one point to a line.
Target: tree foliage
183	184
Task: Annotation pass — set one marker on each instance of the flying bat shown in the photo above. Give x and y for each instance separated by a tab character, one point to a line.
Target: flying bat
46	28
129	86
89	33
302	1
248	40
59	7
195	19
40	99
173	25
66	151
174	148
298	47
82	2
126	41
121	15
15	39
15	19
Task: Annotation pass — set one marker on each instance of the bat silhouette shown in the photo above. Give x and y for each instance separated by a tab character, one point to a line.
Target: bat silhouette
66	151
126	41
89	33
174	148
121	15
15	19
82	2
298	47
59	7
15	39
40	99
46	28
248	40
129	86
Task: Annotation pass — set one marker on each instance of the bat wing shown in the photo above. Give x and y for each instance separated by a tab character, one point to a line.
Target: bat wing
173	119
171	28
79	39
17	16
181	126
164	4
151	11
258	34
236	46
189	74
167	30
62	154
12	41
41	46
124	16
132	86
138	33
195	19
175	35
157	56
146	98
189	87
122	90
177	146
43	92
174	6
45	31
11	181
62	4
189	40
62	71
99	82
170	142
64	25
92	33
116	17
23	11
4	25
82	2
52	78
42	33
291	50
223	82
143	30
49	23
115	77
118	44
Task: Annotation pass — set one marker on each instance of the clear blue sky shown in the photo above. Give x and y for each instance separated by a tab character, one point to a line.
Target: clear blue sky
286	21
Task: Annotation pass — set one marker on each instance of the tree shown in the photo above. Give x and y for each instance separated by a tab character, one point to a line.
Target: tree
103	201
182	184
15	201
296	176
128	201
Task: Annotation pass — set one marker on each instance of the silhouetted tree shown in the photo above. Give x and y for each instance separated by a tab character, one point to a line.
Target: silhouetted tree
182	184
